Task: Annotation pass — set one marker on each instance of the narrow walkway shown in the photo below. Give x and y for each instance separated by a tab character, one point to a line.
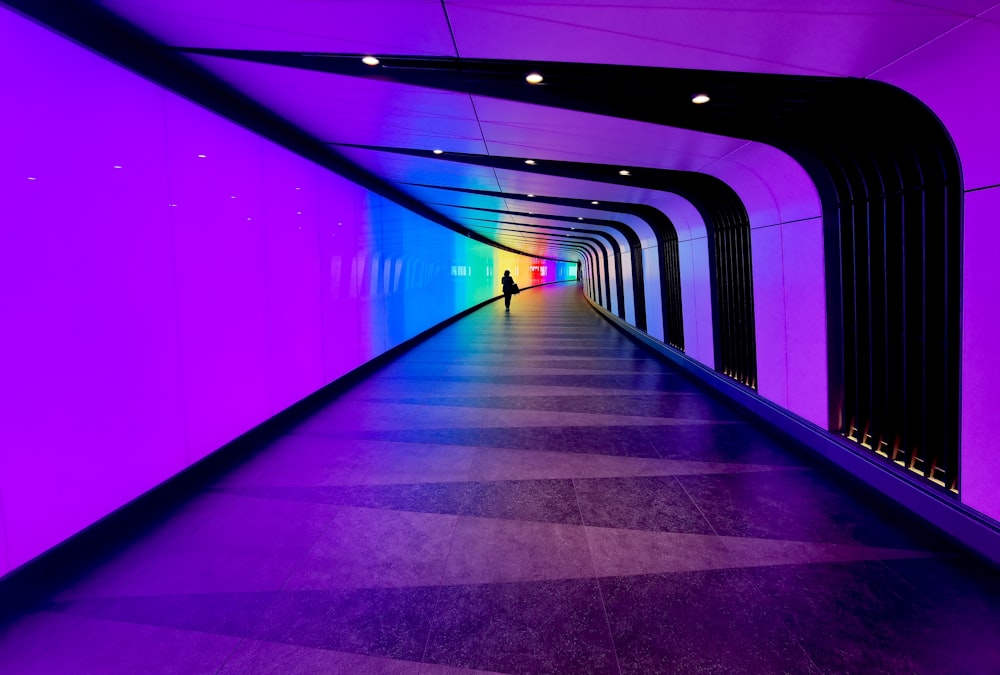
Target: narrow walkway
524	493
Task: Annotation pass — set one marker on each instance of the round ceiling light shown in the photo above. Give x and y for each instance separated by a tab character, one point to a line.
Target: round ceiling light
529	161
534	78
700	98
370	61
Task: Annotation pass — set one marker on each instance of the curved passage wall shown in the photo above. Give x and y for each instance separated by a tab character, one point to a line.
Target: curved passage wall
940	73
891	223
789	285
169	280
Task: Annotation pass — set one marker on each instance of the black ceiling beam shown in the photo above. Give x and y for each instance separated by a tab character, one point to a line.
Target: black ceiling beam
718	204
658	222
756	106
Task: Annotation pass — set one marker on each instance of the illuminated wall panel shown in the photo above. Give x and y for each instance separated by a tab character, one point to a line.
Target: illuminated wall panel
941	73
790	305
343	262
653	282
614	280
89	355
219	241
788	278
769	314
805	320
696	290
980	459
293	272
938	74
773	186
627	287
168	281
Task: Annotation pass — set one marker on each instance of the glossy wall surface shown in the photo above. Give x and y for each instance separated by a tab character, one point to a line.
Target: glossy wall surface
168	281
938	75
167	312
789	285
788	254
939	51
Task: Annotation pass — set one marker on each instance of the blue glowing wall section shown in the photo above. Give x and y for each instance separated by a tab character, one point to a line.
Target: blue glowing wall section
168	280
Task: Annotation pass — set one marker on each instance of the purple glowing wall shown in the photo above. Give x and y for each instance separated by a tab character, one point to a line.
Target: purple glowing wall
789	282
947	75
980	354
696	300
651	281
789	278
168	280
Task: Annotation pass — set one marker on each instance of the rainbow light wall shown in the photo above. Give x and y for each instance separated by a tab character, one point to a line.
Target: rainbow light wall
169	280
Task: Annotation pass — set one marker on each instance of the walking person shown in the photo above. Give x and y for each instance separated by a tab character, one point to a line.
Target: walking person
509	288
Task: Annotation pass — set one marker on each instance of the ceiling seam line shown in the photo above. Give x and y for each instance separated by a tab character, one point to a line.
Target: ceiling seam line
923	45
451	31
472	101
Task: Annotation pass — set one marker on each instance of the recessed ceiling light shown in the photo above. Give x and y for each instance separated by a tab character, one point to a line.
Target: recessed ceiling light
202	156
700	98
118	166
624	172
370	61
579	218
531	195
595	202
534	78
437	152
32	178
529	161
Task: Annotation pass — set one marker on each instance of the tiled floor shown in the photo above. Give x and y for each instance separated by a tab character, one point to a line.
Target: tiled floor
524	493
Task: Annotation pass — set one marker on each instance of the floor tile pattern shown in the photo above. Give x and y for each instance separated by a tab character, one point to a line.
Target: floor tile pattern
525	492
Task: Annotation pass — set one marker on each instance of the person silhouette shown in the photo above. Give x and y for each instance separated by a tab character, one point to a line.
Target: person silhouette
508	288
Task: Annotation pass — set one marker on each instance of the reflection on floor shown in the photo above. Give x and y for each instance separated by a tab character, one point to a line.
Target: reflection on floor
524	493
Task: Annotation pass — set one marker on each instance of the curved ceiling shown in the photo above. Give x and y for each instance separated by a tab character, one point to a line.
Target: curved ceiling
617	96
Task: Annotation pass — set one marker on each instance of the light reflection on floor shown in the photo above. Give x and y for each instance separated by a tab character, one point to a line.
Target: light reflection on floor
524	493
